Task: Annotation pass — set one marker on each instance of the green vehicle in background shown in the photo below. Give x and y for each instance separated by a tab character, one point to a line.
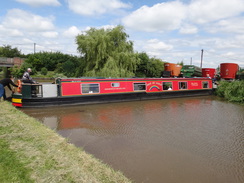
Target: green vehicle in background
189	71
240	74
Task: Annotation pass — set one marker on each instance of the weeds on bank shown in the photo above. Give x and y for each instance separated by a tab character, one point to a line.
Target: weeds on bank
231	91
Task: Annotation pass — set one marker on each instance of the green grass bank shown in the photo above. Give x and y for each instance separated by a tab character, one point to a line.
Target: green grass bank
31	152
231	91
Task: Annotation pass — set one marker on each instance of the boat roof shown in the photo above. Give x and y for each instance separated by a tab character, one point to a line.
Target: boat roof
129	79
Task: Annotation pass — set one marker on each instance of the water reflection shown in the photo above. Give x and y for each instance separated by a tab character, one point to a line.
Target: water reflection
196	139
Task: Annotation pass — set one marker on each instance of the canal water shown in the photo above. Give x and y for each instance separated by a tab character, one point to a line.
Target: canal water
183	140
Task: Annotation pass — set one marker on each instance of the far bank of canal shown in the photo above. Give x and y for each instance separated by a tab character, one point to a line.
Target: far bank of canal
198	139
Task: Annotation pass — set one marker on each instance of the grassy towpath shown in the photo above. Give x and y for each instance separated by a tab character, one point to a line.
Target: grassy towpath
31	152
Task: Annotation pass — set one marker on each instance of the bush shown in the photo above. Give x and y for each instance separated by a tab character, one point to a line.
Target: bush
235	92
221	88
231	91
16	71
44	71
69	68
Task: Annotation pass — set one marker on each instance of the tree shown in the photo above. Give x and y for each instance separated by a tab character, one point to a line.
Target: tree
156	67
149	67
19	71
54	61
16	71
35	61
181	63
44	71
8	51
107	53
143	66
69	68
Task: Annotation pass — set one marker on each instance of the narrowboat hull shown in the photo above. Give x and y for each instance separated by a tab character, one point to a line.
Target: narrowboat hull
106	98
62	98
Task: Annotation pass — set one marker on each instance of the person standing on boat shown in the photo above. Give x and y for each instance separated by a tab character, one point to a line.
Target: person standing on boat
26	78
6	82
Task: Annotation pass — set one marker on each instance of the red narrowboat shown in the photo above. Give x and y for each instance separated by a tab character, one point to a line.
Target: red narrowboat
74	91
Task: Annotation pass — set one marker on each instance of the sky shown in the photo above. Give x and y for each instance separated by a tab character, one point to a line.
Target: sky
171	30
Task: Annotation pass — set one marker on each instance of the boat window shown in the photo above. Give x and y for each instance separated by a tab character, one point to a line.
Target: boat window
90	88
115	84
167	86
182	85
139	86
205	84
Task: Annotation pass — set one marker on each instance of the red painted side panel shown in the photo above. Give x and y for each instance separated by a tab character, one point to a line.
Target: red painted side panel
123	86
71	88
194	85
154	86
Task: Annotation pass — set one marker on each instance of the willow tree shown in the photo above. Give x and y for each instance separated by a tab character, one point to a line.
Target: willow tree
107	53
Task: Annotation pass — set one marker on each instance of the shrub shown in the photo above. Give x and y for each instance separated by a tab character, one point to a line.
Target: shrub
231	91
221	88
44	71
235	91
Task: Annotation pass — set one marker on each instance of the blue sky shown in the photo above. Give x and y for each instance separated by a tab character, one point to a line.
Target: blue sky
172	30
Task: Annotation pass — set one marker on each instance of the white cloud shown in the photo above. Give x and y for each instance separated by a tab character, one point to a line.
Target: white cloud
96	7
160	17
26	40
106	27
22	20
188	29
37	3
174	15
228	54
204	11
155	47
10	32
155	44
72	32
233	25
240	37
50	34
15	32
228	44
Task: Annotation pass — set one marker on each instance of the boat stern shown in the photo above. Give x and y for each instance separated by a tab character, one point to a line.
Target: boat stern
17	100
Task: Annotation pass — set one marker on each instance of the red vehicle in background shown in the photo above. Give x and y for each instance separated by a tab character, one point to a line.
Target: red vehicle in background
209	72
228	71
